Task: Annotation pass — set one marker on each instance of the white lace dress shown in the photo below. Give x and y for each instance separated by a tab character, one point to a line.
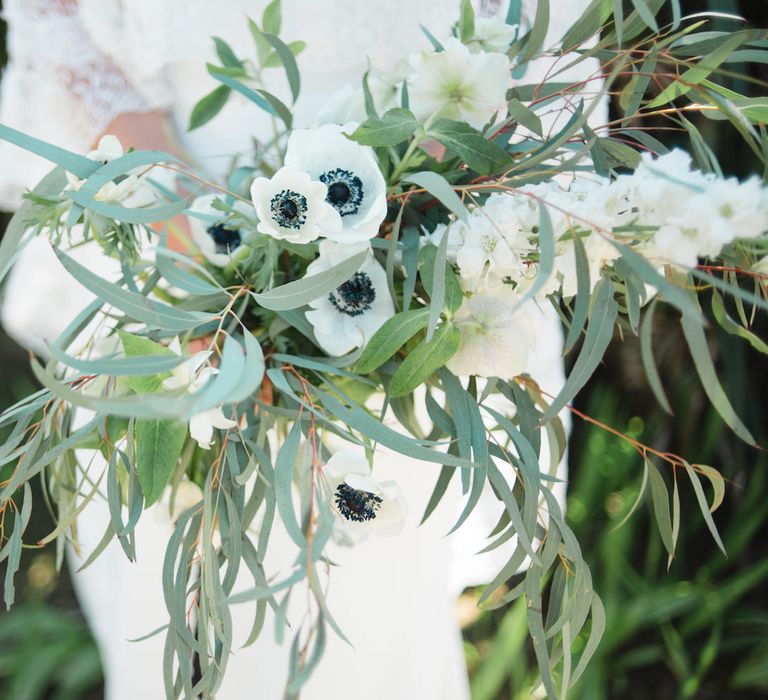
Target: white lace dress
74	66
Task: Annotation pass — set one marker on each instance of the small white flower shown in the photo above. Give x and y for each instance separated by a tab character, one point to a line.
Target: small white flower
494	243
193	375
673	244
600	252
492	35
455	232
660	187
216	240
356	187
291	206
459	84
497	335
347	104
362	505
696	213
131	191
726	210
347	317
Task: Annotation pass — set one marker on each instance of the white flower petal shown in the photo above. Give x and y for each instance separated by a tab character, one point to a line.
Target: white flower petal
343	462
201	430
219	420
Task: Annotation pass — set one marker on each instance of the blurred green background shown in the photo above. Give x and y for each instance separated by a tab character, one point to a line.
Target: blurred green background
699	630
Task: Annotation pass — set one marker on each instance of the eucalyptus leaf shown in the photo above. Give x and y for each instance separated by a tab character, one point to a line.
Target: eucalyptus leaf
480	154
301	292
425	359
598	336
72	162
452	294
158	448
136	306
209	106
392	128
392	335
438	186
660	497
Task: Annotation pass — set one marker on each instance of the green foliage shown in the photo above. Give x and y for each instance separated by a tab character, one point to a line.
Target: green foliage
452	294
692	631
250	315
392	128
209	106
296	294
480	154
394	333
158	442
425	359
46	654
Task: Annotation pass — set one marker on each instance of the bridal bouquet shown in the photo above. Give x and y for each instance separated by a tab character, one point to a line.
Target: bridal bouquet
374	282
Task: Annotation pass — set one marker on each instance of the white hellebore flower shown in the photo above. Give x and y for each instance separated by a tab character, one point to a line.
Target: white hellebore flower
361	504
356	187
497	335
347	104
492	35
291	206
216	240
458	84
494	243
192	375
347	317
131	191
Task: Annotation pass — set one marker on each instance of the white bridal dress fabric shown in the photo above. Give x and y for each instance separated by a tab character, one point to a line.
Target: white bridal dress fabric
74	67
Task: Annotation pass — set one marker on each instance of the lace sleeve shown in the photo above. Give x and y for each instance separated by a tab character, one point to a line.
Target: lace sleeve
58	86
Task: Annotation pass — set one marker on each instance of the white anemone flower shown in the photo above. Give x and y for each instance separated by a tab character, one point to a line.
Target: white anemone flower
497	335
347	317
356	187
362	505
291	206
131	190
216	240
458	84
192	375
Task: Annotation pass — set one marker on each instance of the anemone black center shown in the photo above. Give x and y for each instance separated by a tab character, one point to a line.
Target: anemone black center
357	506
338	194
289	209
224	239
355	296
345	190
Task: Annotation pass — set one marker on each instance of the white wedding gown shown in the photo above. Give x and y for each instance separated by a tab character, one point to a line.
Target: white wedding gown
74	67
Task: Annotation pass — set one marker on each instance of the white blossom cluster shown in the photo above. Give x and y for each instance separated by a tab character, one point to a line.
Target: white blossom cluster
664	210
